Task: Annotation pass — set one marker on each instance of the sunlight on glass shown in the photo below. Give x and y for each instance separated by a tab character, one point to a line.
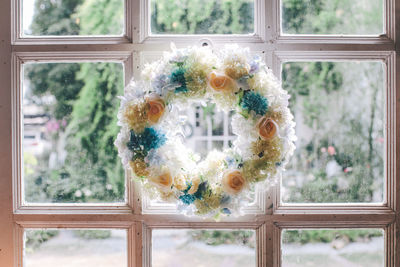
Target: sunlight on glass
75	248
211	248
339	113
332	248
202	16
361	17
69	127
72	17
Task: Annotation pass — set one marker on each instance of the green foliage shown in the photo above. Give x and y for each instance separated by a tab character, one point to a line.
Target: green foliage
33	238
332	17
57	79
218	237
55	17
317	89
93	234
327	236
198	16
86	95
100	17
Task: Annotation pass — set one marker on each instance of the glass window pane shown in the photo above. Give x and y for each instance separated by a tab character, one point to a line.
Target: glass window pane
69	128
72	17
211	248
331	248
202	17
339	114
362	17
75	248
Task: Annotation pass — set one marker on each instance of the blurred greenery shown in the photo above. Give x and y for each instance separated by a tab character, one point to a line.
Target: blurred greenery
218	237
332	17
202	17
343	159
93	234
85	95
86	98
33	238
327	236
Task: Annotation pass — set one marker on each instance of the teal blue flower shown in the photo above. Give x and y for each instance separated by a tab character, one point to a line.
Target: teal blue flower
188	199
142	143
178	78
252	101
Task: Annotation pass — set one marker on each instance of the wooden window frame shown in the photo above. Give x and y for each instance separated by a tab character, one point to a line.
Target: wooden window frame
270	216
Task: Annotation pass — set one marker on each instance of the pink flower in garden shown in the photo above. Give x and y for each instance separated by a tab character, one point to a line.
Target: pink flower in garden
323	149
52	126
348	169
331	150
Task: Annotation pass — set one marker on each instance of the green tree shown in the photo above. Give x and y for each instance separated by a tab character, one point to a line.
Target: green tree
86	96
55	17
202	17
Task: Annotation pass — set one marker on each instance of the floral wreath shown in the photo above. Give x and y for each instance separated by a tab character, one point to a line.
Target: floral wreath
150	140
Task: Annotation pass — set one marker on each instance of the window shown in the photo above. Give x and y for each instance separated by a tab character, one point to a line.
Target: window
64	62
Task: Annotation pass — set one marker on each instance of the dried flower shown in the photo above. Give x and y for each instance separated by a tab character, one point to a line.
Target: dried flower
139	167
156	107
221	82
233	182
267	128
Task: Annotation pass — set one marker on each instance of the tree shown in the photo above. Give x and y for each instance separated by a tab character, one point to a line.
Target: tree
86	96
202	17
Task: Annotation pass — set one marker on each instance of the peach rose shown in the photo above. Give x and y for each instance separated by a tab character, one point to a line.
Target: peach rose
180	182
156	107
221	82
195	185
164	179
233	182
267	128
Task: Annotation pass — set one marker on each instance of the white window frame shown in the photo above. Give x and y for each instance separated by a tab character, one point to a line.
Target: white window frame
269	217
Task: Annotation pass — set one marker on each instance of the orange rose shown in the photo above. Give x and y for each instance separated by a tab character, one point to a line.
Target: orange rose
164	179
233	182
156	107
266	128
221	82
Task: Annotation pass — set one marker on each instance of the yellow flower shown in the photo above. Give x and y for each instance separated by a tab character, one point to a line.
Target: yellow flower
195	185
222	83
155	108
267	128
233	182
139	167
136	117
164	179
236	68
167	196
